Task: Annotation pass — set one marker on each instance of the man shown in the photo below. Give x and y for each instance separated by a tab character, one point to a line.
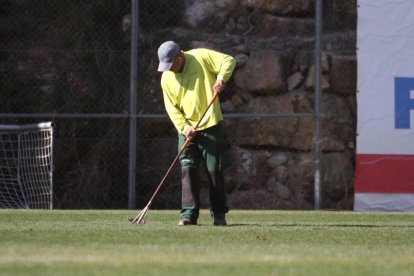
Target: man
189	81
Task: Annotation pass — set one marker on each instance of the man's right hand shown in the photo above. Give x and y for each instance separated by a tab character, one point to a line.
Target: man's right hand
219	86
190	132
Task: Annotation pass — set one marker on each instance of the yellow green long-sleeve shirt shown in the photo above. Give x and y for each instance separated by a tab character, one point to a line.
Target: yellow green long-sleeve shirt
187	94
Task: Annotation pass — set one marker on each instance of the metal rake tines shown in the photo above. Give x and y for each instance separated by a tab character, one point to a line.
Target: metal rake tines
141	217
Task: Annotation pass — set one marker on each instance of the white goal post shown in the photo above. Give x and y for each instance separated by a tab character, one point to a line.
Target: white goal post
26	166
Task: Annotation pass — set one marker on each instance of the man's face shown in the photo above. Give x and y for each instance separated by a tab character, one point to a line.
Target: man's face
177	63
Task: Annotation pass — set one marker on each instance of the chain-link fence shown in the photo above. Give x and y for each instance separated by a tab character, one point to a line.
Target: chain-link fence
69	61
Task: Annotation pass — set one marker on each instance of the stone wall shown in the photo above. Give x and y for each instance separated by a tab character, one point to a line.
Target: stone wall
273	43
75	58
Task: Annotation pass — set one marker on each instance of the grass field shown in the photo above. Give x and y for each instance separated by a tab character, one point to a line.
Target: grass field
96	242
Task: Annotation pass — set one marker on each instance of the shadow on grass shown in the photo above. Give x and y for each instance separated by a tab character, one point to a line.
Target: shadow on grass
320	225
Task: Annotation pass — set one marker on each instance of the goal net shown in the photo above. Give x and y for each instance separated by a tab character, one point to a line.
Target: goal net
26	163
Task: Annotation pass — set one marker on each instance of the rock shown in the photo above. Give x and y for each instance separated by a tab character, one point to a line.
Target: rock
249	169
275	187
241	59
290	132
310	80
281	173
343	75
271	184
285	103
282	191
340	9
325	83
230	25
287	132
245	95
329	144
294	81
228	106
285	7
295	132
246	163
236	100
264	71
271	25
198	12
270	104
243	49
220	3
335	106
325	63
338	176
277	160
47	89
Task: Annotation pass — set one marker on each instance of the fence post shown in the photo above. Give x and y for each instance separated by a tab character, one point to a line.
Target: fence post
133	105
317	115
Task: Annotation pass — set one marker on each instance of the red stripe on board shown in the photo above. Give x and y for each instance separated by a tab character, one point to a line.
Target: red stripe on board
384	173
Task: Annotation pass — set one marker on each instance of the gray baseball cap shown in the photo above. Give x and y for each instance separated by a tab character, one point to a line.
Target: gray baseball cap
166	54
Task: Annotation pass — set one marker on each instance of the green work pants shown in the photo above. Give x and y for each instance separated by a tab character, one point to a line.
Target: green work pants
209	149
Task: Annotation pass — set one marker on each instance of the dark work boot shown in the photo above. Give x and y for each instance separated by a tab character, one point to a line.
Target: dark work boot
219	220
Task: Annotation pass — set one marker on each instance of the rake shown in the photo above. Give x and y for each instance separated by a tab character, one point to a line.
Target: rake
141	217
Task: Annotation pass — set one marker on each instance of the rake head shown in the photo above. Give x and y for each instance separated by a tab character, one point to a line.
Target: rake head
140	218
